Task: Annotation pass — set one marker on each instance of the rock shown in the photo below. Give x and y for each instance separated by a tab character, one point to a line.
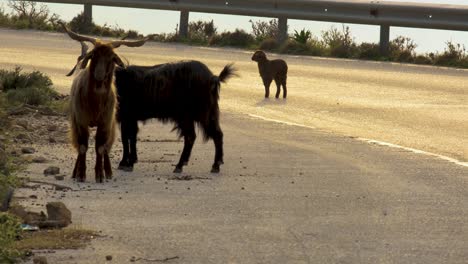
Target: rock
31	218
40	260
57	211
5	198
22	136
59	177
28	150
52	128
52	171
108	257
22	123
3	160
39	160
52	140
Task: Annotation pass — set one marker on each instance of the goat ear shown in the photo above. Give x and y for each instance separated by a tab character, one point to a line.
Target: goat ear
86	58
119	61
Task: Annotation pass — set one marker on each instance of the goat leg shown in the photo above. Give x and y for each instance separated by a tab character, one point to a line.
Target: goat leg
267	83
107	165
189	139
278	89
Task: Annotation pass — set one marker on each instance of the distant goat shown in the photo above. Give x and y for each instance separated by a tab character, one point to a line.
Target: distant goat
93	102
184	93
272	70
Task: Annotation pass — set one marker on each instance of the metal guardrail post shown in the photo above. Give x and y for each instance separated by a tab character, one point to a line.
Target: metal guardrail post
384	39
88	13
183	25
283	29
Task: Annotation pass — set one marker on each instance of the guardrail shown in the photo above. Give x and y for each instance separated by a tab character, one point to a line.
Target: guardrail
384	14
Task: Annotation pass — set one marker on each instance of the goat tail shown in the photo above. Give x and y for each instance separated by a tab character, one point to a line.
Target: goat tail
228	72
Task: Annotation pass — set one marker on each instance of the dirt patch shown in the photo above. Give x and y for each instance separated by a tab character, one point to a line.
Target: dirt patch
55	239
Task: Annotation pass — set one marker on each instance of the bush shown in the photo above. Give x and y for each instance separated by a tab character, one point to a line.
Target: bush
268	44
369	51
238	38
33	88
201	29
453	55
263	30
30	15
302	37
402	49
313	48
422	59
10	231
340	44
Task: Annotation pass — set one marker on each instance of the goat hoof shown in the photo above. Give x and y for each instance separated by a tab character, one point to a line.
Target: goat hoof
126	168
177	170
215	170
108	176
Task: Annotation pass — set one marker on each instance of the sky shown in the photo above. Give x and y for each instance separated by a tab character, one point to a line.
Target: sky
161	21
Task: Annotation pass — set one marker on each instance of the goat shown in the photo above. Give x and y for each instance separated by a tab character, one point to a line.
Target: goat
93	102
272	70
184	93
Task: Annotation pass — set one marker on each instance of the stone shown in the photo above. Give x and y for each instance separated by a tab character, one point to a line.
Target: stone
52	171
59	177
57	211
39	160
52	128
108	257
40	260
27	150
22	136
52	140
22	123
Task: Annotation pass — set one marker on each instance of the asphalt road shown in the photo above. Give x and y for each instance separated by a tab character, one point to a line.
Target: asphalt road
301	189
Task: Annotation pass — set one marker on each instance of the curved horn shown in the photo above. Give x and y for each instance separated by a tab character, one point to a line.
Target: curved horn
84	50
78	37
128	43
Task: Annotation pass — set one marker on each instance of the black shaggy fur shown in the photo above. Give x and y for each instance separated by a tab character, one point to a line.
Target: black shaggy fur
272	70
184	93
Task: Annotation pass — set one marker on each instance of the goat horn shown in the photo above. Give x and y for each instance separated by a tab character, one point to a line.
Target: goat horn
128	43
78	37
84	50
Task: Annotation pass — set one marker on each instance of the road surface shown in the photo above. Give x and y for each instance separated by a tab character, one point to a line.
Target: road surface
307	180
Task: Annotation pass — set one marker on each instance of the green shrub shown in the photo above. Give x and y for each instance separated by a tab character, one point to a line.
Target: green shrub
263	30
33	88
453	55
423	59
402	49
369	51
201	29
268	44
238	38
302	37
10	231
340	43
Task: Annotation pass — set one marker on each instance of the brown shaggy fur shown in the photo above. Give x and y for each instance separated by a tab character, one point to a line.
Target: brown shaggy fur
272	70
93	104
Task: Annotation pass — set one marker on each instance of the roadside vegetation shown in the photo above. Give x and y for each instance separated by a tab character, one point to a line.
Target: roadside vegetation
334	42
19	92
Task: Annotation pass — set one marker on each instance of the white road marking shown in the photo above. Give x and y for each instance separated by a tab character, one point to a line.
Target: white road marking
377	142
280	121
417	151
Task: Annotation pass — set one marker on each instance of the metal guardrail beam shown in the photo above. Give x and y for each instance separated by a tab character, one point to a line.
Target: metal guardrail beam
434	16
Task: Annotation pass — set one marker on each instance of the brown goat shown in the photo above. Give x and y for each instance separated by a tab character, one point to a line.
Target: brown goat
93	103
272	70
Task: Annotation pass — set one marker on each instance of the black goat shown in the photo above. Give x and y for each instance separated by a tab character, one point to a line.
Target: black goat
184	93
272	70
